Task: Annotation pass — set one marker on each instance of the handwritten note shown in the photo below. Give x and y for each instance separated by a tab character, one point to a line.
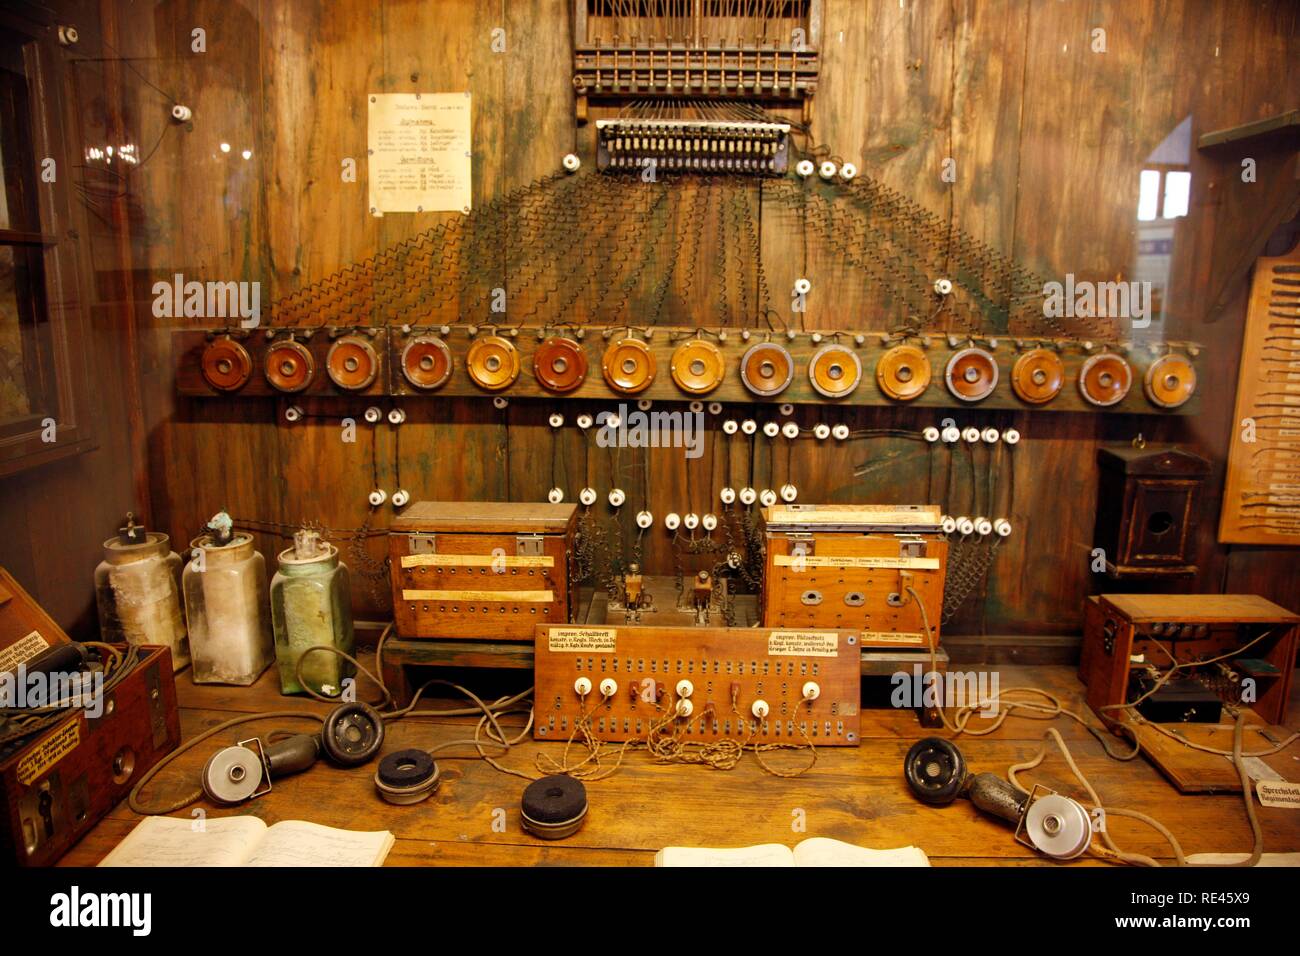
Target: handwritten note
419	152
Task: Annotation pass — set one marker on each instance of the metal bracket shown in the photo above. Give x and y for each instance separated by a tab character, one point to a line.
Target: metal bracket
529	545
801	542
423	542
911	547
157	706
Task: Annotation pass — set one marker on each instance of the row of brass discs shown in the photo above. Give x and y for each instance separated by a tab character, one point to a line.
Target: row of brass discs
289	366
699	366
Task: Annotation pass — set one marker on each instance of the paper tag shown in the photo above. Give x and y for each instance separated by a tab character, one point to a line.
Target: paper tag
49	752
21	651
581	639
1279	793
853	561
803	644
419	152
891	637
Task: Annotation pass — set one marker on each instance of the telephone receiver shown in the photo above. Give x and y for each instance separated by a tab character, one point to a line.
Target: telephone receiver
351	735
1054	825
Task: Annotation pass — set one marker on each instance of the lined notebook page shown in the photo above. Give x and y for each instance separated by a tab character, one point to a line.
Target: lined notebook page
176	841
299	843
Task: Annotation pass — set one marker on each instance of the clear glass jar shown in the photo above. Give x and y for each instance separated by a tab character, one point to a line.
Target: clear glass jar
138	597
311	605
227	611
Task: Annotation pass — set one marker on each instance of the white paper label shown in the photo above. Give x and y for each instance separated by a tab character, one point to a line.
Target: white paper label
419	152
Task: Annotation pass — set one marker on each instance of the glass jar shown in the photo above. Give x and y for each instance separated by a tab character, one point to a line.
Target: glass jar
311	605
226	609
137	595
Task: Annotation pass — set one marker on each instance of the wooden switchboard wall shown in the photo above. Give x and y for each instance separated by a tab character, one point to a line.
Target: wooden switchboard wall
1048	137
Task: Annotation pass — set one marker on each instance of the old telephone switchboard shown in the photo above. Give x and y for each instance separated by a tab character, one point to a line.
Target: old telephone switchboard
753	685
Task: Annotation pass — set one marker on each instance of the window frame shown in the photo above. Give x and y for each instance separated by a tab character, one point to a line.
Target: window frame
63	361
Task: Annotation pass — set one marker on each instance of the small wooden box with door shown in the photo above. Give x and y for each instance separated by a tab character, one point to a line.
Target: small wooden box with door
482	569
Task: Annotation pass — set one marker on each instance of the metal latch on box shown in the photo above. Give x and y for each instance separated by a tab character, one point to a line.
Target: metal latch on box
422	542
801	543
528	545
911	547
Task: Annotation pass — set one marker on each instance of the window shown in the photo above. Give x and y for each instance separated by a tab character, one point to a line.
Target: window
1163	193
42	381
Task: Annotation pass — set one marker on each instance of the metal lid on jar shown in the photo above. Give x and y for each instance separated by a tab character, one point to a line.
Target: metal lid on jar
308	549
238	548
154	544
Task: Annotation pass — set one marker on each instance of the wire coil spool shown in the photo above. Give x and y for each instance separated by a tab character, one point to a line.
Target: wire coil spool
554	807
405	777
352	363
903	373
560	364
628	366
1170	381
698	367
835	371
226	365
766	369
1105	379
289	366
493	363
972	374
1038	376
426	362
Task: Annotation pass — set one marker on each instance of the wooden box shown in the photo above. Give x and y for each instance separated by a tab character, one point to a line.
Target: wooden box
58	783
1256	640
482	569
1148	503
850	566
750	685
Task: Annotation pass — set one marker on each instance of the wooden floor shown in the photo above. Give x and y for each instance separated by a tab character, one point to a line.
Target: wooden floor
852	794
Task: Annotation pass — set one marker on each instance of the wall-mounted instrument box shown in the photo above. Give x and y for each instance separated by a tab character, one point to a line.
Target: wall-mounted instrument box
1131	641
850	566
482	569
60	780
699	684
1148	505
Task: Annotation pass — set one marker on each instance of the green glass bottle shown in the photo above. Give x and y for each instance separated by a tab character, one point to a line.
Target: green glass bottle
311	605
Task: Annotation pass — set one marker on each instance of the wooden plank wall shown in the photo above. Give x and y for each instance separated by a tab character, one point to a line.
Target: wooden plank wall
1048	136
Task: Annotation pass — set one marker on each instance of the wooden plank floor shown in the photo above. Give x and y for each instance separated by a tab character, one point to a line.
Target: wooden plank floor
852	794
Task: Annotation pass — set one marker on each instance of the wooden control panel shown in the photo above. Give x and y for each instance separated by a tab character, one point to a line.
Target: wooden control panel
705	684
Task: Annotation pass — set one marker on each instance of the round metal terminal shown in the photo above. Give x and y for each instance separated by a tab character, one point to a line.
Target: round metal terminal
1105	379
628	366
352	363
1170	381
698	367
1037	376
560	364
492	363
226	365
553	807
903	373
407	776
972	374
767	369
834	371
289	366
426	362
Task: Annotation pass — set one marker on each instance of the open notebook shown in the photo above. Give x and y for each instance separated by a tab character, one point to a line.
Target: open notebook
815	851
246	841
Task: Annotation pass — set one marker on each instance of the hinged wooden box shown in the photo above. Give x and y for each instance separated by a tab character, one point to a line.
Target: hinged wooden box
482	569
850	566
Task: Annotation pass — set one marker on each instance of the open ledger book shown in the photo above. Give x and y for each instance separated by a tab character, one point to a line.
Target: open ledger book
246	841
815	851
